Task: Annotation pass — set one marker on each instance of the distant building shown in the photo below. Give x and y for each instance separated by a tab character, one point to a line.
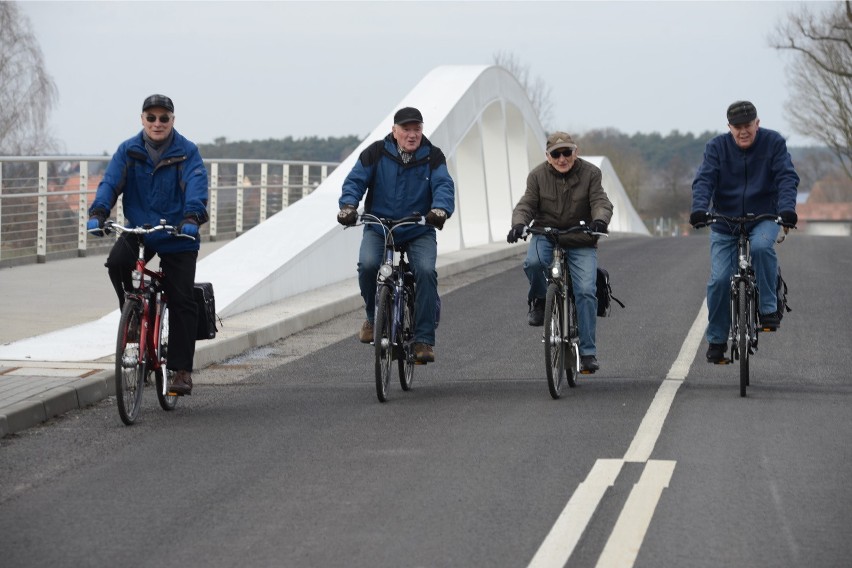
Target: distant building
828	209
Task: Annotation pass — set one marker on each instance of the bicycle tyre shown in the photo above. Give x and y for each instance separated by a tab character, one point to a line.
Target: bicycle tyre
167	401
383	342
130	373
405	361
743	334
554	341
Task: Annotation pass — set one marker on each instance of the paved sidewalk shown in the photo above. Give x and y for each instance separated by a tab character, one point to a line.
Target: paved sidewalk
36	299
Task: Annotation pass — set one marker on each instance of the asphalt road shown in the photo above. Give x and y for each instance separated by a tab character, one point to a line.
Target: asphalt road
284	457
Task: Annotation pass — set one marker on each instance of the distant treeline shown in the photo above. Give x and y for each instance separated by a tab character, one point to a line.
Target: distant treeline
311	148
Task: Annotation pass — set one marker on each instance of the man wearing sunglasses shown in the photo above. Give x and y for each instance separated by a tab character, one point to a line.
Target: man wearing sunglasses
561	192
160	175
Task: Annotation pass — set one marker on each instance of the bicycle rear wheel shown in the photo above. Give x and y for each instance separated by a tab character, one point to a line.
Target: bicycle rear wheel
167	401
383	341
554	340
405	359
743	337
130	367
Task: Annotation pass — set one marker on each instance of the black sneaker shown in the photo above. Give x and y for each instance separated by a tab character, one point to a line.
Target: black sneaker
716	352
770	322
589	364
536	315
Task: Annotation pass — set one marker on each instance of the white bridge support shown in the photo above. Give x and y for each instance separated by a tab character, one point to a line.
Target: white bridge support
483	121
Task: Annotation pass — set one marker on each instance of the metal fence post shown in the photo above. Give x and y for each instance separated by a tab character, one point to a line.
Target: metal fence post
1	210
41	214
285	186
240	197
263	191
213	198
306	180
82	203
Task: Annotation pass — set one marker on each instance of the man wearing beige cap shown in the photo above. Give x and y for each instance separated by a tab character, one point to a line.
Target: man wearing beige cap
561	192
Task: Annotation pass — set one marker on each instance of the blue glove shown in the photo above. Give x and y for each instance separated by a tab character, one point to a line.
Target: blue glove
95	226
188	227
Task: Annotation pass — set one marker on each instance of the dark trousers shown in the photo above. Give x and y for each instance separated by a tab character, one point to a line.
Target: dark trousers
179	270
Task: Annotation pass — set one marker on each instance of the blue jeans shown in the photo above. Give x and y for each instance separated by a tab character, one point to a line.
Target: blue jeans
422	254
723	261
583	264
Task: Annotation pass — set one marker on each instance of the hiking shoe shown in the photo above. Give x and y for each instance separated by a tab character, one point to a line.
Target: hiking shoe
589	363
770	321
182	384
423	353
716	352
536	315
366	333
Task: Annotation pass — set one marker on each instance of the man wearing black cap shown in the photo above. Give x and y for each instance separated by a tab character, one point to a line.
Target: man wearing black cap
160	175
747	170
561	192
402	175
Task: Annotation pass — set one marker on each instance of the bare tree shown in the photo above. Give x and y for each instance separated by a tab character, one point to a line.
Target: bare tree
537	90
27	92
821	75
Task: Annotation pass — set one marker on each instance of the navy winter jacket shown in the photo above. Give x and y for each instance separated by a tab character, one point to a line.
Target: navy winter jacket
174	190
398	190
760	179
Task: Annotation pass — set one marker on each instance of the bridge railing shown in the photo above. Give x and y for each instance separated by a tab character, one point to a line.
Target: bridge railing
44	200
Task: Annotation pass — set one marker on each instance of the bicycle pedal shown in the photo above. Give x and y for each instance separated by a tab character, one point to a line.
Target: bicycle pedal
585	372
420	362
769	329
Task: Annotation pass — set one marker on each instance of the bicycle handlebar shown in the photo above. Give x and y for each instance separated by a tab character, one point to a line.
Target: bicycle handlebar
110	226
748	218
370	219
555	232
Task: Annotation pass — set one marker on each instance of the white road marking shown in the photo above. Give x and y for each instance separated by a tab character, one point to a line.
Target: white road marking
636	516
569	527
624	543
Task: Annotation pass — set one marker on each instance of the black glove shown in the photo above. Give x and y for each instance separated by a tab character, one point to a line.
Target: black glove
347	215
436	218
699	219
96	222
515	233
599	226
788	218
189	227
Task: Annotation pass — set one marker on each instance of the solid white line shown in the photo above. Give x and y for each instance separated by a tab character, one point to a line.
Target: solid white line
569	527
652	424
624	543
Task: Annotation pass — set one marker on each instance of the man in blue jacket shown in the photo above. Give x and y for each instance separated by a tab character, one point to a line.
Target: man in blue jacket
748	170
160	175
402	175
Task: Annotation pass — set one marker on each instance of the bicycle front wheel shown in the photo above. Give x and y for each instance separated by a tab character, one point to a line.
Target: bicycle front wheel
130	368
384	342
555	334
743	338
167	401
405	359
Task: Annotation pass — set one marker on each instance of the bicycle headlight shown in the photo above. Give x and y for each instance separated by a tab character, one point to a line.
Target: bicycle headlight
385	271
556	271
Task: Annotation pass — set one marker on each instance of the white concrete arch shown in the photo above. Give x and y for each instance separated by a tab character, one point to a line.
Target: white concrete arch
481	118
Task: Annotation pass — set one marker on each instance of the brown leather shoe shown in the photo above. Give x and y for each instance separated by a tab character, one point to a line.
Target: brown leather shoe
366	333
424	353
182	384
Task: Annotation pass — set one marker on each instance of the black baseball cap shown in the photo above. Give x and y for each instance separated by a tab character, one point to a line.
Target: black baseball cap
406	115
158	101
741	112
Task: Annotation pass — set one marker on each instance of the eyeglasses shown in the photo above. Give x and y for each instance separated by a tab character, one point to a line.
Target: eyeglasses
164	118
556	154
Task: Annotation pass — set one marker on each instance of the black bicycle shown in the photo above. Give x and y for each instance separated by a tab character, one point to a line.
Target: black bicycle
745	296
561	330
393	328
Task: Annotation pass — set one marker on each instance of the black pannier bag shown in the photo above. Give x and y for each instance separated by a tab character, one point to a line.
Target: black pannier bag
604	294
781	291
206	304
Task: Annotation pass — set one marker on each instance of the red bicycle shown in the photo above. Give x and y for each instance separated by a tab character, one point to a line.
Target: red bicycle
143	331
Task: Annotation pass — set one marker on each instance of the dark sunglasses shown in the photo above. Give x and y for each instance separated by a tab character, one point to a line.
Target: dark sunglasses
556	154
164	118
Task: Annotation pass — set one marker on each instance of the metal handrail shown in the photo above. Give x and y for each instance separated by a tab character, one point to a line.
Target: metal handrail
40	219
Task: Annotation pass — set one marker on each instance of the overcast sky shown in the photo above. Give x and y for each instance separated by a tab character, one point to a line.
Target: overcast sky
258	70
